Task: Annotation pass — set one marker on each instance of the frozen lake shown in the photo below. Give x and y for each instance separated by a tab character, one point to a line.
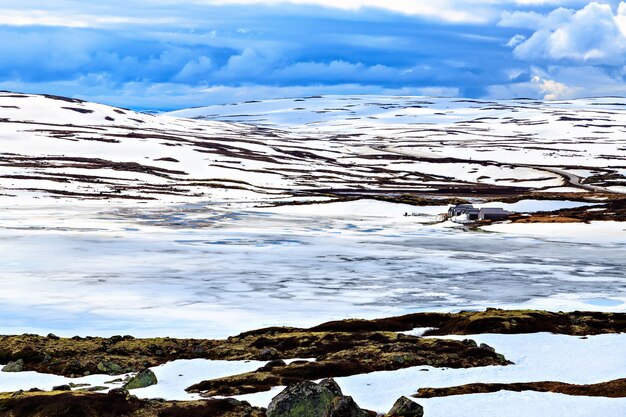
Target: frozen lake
194	271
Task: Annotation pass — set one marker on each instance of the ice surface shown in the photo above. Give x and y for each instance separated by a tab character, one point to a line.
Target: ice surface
595	232
214	271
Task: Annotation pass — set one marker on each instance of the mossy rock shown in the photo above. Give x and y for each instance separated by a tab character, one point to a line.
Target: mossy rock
143	379
345	406
17	366
303	399
110	368
404	407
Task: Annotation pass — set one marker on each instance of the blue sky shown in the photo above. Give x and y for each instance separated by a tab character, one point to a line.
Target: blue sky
167	54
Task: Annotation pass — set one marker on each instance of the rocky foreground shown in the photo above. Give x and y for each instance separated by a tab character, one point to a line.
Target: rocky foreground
305	399
340	348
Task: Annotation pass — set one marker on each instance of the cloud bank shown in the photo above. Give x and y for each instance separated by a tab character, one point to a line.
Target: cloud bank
165	54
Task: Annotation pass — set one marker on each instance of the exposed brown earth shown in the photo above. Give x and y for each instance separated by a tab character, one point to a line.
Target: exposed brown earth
340	348
491	321
77	404
348	354
354	346
611	389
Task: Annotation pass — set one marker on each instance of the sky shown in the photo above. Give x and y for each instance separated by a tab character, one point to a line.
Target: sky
170	54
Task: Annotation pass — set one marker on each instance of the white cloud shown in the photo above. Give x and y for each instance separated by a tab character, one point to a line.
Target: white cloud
454	11
553	90
30	17
592	35
171	96
562	82
516	40
534	20
195	69
549	2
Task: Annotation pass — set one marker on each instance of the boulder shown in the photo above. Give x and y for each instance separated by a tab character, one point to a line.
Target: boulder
308	399
344	406
405	407
331	386
64	387
487	347
17	366
269	353
303	399
97	388
110	368
275	363
123	392
143	379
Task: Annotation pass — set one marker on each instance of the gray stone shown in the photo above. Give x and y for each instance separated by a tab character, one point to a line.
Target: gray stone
62	388
110	368
94	389
269	353
307	399
16	366
143	379
275	363
470	342
404	407
486	346
303	399
331	386
344	406
123	392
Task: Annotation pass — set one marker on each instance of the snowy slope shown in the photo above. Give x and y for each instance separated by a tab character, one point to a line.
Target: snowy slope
356	145
582	137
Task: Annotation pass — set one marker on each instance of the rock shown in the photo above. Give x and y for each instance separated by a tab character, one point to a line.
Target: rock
470	342
307	399
275	363
123	392
116	380
17	366
94	389
143	379
486	346
53	336
109	367
404	407
303	399
344	406
62	388
331	386
269	353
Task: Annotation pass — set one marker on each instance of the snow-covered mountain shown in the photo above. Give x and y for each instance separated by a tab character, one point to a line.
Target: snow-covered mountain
310	146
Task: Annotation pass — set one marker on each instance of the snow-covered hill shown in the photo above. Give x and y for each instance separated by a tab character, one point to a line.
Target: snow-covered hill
292	148
484	140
